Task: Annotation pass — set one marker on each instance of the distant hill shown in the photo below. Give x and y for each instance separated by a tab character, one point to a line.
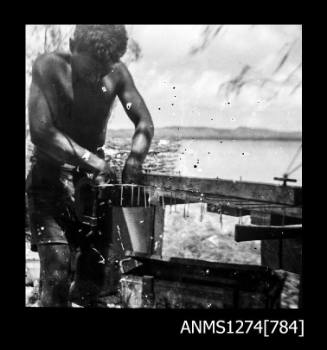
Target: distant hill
203	133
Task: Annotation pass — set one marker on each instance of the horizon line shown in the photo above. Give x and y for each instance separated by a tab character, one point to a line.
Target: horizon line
213	128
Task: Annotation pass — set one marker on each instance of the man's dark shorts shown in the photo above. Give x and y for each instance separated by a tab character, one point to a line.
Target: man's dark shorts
51	204
50	192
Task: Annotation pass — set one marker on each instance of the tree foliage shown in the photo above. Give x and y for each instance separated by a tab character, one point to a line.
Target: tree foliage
247	75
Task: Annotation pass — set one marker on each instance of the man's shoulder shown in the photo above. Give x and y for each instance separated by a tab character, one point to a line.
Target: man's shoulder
49	65
122	72
119	66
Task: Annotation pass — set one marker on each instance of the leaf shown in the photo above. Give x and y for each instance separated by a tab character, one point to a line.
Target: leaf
236	84
286	55
282	62
217	31
296	88
289	77
208	34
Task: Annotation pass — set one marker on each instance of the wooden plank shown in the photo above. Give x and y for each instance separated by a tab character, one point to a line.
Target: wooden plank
243	276
258	218
214	205
180	295
232	210
185	283
260	232
227	210
238	189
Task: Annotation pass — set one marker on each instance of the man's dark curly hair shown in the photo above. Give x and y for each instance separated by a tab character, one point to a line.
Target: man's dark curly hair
105	42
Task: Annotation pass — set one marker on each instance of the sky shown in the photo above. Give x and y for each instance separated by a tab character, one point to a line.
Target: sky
186	90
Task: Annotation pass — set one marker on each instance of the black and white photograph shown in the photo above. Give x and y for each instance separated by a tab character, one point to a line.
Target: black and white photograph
163	166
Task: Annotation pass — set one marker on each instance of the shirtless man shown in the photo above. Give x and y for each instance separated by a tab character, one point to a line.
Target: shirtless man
70	99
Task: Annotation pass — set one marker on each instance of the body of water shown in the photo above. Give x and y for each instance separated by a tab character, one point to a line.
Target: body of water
247	160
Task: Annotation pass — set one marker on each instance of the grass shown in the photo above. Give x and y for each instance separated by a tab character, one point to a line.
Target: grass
207	239
189	237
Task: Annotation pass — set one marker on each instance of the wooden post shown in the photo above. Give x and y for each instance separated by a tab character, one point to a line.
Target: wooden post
283	254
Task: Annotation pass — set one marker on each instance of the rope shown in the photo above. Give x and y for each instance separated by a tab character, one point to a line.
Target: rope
293	170
293	160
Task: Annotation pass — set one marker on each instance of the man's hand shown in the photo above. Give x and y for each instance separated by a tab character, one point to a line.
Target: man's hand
132	171
106	175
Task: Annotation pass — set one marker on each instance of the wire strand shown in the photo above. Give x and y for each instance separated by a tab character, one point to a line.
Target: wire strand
293	170
294	158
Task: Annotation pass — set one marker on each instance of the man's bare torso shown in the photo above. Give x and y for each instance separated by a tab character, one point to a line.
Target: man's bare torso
81	111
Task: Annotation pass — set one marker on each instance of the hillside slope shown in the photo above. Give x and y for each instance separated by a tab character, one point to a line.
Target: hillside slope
241	133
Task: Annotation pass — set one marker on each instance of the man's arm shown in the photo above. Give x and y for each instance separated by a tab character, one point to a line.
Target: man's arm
137	111
45	135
